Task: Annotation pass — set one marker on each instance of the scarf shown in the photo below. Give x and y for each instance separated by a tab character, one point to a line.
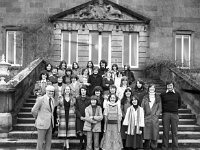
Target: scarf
129	120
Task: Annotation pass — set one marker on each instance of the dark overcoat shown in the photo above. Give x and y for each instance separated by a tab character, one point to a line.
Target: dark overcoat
151	117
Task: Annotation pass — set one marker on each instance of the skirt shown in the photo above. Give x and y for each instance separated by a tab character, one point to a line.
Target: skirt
112	138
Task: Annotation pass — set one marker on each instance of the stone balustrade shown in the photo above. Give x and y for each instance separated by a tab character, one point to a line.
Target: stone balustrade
13	95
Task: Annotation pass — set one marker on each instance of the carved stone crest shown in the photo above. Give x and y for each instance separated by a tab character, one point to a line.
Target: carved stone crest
99	12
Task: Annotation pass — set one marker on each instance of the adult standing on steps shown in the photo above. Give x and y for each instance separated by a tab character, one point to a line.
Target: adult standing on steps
171	102
44	120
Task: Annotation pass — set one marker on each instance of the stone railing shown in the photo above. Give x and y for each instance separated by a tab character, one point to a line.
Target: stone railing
14	94
187	87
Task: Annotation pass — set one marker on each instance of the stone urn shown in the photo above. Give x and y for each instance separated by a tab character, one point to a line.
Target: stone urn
3	70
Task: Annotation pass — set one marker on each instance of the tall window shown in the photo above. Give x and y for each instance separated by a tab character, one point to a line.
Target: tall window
183	50
14	47
115	47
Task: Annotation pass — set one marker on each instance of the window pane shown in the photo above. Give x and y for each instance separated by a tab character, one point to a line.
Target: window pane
134	51
10	47
94	52
126	48
116	48
186	52
83	47
178	51
65	51
105	46
19	48
73	46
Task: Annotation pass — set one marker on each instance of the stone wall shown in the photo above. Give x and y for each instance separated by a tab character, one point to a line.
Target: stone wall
166	17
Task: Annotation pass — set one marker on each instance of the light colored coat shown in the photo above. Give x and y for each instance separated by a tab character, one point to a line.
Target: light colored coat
41	111
98	116
151	117
75	89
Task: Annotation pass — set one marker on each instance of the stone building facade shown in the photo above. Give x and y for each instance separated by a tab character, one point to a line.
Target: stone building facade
120	31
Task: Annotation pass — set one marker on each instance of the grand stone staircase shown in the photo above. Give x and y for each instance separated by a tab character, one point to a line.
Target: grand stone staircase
25	134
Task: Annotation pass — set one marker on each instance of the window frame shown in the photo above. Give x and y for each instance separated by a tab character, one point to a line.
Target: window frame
182	34
6	31
100	49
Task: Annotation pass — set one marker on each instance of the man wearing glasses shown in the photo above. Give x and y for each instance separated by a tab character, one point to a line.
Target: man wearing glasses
44	120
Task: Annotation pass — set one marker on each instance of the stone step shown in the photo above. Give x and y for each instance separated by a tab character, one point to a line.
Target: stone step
181	110
181	116
74	144
31	127
33	135
181	121
28	105
31	100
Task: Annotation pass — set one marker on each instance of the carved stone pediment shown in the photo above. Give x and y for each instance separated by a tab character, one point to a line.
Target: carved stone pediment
99	12
104	10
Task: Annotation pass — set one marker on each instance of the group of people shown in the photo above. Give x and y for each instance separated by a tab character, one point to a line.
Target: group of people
105	108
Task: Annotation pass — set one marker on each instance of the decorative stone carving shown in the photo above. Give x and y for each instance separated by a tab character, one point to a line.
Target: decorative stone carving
99	12
100	27
69	26
113	13
131	27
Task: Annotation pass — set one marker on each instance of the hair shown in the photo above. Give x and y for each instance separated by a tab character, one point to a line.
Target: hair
68	69
96	68
124	98
150	85
103	61
97	88
169	82
83	87
112	86
73	76
115	97
136	97
128	67
73	65
124	78
54	67
47	65
62	62
44	72
91	63
94	97
106	74
141	82
70	94
115	65
83	70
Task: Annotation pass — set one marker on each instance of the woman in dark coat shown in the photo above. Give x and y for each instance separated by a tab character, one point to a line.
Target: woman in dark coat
152	109
81	103
129	74
125	103
139	90
94	80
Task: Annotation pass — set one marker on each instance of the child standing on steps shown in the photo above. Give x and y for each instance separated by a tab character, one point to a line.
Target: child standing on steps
92	125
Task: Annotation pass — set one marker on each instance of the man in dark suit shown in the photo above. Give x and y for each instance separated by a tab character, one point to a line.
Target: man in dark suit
44	120
171	102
